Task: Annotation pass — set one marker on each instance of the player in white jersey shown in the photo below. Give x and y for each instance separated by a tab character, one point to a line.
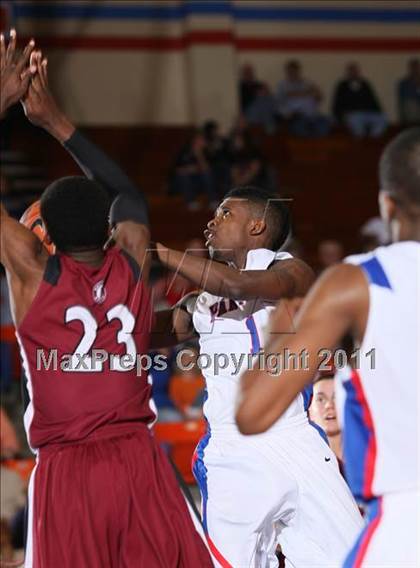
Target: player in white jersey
281	485
375	297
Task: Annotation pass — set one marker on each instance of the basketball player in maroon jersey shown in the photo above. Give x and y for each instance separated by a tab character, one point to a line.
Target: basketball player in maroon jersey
102	492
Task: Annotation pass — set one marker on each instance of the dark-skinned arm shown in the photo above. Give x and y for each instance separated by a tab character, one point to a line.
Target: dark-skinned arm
338	303
15	73
42	110
129	209
19	247
285	279
173	326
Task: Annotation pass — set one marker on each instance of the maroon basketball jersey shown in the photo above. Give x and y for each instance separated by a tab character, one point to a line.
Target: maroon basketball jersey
81	344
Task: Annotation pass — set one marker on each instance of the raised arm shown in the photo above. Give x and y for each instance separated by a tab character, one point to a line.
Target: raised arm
338	303
15	74
285	279
42	109
129	210
174	326
24	258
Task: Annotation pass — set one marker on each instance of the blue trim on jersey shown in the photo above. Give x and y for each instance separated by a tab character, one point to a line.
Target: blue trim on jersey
252	328
355	441
200	471
375	272
320	431
373	511
307	394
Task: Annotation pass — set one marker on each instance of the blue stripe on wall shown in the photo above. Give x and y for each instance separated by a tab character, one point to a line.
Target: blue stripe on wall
239	12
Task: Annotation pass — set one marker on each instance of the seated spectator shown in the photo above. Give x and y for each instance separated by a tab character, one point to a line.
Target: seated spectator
248	86
262	110
9	443
216	155
323	412
257	103
7	553
356	105
193	173
187	383
409	94
330	252
247	165
298	103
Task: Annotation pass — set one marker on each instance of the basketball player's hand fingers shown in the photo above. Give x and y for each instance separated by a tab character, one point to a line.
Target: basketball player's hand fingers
25	79
36	83
2	51
11	48
25	56
42	70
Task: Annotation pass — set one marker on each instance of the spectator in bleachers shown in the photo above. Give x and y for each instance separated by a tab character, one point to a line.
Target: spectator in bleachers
187	383
323	412
216	155
248	86
409	94
298	102
258	105
193	173
9	443
356	105
262	111
330	252
247	163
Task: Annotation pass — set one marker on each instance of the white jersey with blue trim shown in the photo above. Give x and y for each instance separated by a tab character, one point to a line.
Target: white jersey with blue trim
381	409
230	333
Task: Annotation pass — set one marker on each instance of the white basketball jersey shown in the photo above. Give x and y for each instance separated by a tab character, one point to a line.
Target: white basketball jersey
381	411
231	331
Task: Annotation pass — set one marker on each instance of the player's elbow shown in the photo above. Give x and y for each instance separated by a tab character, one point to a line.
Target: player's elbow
238	287
248	423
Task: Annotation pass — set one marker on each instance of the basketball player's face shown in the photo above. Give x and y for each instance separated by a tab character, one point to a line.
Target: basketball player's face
322	410
226	232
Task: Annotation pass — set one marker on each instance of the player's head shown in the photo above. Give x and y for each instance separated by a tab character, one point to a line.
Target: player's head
75	212
399	174
248	218
322	410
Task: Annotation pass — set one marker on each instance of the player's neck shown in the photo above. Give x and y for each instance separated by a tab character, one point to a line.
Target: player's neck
93	258
335	445
406	228
239	259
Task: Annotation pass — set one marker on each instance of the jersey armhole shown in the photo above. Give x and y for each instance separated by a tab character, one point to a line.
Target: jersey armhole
135	268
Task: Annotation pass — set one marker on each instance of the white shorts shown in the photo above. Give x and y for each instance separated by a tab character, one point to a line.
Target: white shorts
279	487
391	536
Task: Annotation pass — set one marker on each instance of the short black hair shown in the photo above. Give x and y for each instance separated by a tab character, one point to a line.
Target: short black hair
399	168
272	207
75	212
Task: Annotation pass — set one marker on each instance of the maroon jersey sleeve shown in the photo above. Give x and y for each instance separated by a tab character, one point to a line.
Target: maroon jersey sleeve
84	344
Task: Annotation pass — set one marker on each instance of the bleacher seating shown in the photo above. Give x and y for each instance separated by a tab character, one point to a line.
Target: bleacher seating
332	181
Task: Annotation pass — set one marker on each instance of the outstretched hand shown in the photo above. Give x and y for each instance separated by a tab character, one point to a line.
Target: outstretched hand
39	104
15	70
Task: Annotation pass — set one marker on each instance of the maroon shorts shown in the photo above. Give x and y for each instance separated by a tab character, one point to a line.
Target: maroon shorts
111	502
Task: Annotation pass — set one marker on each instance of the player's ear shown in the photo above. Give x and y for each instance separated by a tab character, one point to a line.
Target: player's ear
387	206
258	226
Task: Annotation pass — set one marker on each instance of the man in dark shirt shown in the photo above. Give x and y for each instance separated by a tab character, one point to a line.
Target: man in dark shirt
409	94
355	104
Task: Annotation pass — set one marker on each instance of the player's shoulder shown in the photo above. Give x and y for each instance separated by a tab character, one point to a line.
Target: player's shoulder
119	255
